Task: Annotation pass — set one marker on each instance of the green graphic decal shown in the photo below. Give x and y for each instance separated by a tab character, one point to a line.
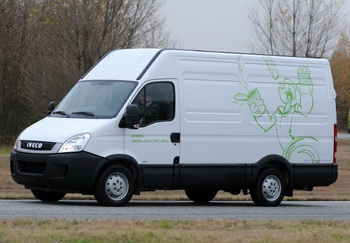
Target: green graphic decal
296	98
272	67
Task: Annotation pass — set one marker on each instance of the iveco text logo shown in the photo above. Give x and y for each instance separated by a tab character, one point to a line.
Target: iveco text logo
34	145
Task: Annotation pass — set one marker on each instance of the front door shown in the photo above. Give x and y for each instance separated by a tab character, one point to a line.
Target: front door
155	144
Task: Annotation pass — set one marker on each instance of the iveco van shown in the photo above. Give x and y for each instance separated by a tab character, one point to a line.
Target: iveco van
149	119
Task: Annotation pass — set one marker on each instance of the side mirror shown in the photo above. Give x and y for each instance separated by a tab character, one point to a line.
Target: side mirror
51	107
132	117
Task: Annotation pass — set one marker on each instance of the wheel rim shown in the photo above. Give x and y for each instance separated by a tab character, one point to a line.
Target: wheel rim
271	188
117	186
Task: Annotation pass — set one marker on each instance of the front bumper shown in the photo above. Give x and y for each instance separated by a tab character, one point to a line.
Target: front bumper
70	172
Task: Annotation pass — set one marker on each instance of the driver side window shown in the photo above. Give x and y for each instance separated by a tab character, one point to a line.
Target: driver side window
156	102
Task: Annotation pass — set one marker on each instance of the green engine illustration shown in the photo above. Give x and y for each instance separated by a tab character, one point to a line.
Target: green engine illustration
296	98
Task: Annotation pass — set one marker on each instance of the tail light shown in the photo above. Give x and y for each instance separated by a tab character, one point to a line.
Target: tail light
335	144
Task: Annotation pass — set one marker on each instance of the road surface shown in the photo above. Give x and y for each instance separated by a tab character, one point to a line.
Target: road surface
344	136
85	209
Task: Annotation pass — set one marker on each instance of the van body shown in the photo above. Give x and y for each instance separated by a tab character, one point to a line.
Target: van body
150	119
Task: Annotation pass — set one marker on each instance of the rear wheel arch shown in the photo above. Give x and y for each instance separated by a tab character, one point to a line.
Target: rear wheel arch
279	163
269	189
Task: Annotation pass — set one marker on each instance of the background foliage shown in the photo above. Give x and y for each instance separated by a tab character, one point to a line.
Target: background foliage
46	45
340	64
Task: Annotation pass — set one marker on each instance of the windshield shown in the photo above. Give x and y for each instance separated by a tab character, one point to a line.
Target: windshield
95	99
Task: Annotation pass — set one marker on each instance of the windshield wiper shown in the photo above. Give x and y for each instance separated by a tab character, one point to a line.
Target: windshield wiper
84	113
61	113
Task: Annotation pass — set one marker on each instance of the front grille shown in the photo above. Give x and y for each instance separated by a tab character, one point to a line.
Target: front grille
31	167
37	145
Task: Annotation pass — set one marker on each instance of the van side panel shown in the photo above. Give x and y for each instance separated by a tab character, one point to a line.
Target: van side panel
289	109
229	105
209	119
238	109
211	128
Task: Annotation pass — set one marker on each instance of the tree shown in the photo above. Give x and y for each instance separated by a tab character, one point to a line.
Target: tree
15	38
86	29
305	28
340	64
46	45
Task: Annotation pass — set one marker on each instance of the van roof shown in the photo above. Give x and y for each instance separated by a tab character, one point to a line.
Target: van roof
126	64
132	64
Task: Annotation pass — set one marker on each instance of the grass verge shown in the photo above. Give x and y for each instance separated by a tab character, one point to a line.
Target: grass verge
5	149
173	231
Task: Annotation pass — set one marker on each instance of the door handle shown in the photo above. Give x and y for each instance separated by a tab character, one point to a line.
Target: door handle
175	137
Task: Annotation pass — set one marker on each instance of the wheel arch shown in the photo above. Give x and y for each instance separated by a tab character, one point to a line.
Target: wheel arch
281	164
120	159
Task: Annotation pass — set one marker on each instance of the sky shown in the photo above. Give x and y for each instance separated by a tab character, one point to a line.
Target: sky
215	25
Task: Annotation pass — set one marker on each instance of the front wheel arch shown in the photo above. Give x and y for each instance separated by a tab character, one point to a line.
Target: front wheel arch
114	186
122	160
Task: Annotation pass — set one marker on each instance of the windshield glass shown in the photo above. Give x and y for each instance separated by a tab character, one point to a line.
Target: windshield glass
94	99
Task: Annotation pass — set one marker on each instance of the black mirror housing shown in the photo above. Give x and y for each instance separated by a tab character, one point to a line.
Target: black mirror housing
132	117
51	107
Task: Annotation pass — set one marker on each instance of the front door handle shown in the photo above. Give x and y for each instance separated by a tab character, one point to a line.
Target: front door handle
175	137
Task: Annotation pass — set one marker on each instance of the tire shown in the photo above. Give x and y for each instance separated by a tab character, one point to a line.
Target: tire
269	189
115	186
201	195
48	196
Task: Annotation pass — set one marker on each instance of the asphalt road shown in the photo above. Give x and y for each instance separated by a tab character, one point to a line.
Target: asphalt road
344	136
66	209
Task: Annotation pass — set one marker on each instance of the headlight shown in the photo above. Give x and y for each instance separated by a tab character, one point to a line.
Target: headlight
17	144
75	144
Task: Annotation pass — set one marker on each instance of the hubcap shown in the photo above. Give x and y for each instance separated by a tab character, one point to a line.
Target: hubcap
117	186
271	188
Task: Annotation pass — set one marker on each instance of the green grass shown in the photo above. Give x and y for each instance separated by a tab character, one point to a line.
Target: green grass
5	149
79	231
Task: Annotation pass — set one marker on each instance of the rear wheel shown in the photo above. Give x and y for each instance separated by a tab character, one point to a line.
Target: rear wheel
201	195
269	189
115	186
48	196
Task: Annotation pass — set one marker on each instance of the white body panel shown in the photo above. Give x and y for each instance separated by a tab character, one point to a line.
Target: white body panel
59	129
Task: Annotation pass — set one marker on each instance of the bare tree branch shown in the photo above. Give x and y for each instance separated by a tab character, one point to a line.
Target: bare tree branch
307	28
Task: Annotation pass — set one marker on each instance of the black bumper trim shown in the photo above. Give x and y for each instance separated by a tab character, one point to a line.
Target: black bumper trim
70	172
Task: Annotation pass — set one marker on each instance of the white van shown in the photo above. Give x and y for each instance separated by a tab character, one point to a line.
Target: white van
149	119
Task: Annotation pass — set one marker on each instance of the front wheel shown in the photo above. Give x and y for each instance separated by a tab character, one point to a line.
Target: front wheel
269	189
48	196
200	195
115	186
